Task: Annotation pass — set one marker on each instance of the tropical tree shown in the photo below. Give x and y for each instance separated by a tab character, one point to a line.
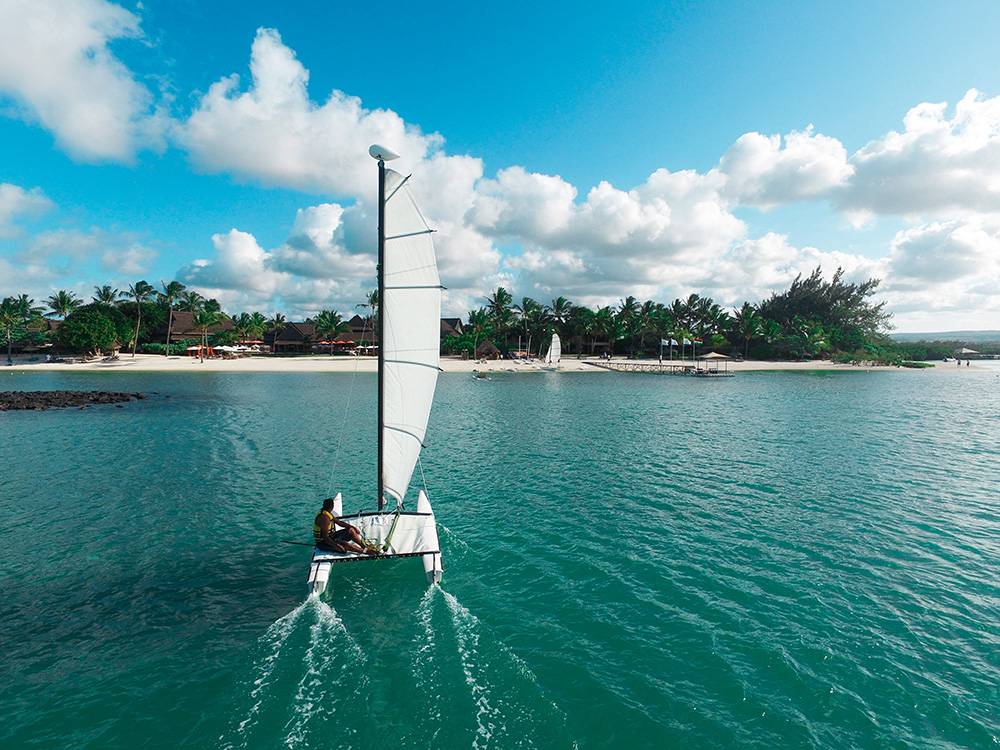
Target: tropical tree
62	303
499	305
748	324
258	325
10	320
139	292
479	326
629	320
559	312
171	292
190	301
528	314
844	309
241	326
89	330
329	324
106	295
203	320
609	325
277	324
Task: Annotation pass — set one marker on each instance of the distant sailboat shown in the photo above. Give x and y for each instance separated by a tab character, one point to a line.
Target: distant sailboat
553	354
409	329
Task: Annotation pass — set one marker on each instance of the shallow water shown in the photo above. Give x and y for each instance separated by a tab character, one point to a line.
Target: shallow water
774	560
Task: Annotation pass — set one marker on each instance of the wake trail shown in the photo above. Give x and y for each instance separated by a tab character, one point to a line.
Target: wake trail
424	665
453	537
466	632
492	673
271	643
319	660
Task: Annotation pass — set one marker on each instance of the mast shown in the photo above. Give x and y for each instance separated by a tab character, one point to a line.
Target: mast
379	326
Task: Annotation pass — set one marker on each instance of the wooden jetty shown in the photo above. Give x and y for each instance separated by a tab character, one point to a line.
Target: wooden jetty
666	368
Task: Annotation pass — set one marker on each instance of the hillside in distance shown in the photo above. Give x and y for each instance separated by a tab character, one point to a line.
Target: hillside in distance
966	336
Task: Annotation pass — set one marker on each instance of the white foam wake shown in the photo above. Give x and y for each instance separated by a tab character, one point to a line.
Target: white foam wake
467	633
327	636
424	663
509	712
271	643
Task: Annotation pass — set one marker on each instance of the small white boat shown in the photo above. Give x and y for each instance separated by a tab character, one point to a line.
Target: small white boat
553	355
398	533
409	329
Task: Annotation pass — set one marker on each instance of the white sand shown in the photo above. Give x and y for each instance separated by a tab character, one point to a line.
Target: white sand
158	363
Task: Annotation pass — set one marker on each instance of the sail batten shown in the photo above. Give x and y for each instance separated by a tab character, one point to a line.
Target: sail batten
411	311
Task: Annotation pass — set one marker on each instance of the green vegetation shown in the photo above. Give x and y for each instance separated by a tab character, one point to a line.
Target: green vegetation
89	330
812	318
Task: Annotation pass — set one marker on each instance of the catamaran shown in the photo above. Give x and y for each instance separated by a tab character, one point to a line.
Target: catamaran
553	354
408	325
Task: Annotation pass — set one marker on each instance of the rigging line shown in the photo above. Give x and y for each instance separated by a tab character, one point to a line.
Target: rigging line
343	426
423	479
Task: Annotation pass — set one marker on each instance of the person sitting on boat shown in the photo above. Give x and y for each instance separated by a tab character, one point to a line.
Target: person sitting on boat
347	539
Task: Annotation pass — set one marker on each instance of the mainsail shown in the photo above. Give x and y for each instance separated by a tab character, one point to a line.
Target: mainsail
554	352
409	330
411	334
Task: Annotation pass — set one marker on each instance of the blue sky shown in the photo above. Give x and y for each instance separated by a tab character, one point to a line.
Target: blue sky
548	100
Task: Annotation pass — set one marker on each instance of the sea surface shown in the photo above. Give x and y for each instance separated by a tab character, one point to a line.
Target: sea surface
777	560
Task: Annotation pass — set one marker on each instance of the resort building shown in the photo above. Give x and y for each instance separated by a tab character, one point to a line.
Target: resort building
182	328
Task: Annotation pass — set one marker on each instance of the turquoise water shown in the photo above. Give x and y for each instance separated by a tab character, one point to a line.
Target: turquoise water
775	560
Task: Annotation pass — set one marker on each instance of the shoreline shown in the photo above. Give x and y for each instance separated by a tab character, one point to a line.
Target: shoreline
326	363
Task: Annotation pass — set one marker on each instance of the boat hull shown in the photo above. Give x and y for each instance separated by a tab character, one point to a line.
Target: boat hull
398	534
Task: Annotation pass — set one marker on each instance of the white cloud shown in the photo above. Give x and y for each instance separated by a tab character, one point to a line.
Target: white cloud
763	171
71	249
938	165
673	233
243	274
273	133
56	66
17	203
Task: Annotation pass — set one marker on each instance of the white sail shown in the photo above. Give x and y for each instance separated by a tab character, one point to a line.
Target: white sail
555	351
411	324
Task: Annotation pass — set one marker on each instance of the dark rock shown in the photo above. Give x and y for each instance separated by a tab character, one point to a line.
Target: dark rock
41	400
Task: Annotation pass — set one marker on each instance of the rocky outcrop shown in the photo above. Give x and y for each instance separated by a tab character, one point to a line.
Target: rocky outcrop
41	400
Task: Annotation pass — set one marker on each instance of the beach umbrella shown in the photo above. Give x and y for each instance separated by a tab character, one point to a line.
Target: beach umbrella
963	350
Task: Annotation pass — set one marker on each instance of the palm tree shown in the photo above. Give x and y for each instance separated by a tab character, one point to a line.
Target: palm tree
370	308
527	311
607	324
27	307
329	324
258	325
479	324
277	324
62	303
140	292
560	311
628	318
748	324
203	320
106	295
242	326
539	324
10	318
171	291
190	301
499	307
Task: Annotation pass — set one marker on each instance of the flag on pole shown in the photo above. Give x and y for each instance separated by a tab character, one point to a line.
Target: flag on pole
668	342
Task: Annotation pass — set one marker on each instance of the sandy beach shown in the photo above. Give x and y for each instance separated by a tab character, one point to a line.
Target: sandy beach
320	363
